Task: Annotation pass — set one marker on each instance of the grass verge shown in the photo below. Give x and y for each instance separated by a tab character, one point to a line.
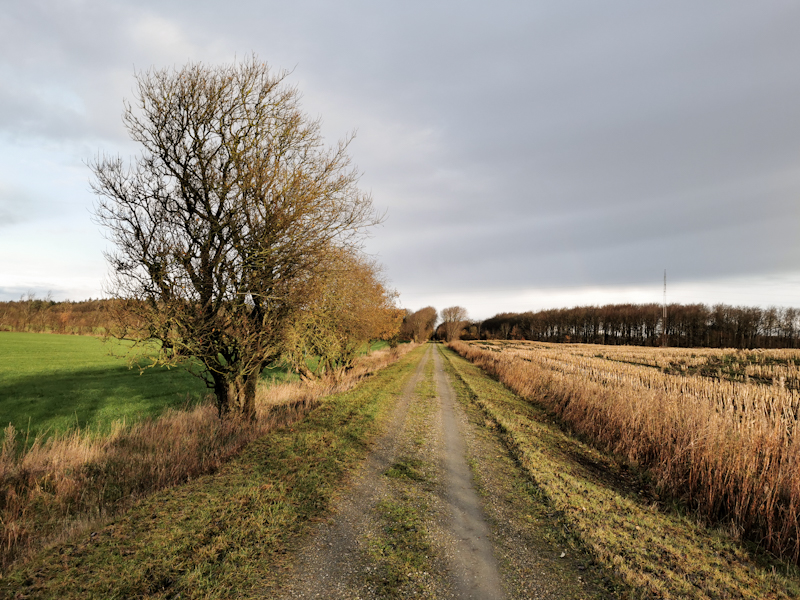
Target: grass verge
538	556
225	535
646	546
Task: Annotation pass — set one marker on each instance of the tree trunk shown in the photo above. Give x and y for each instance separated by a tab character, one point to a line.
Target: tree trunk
248	400
236	398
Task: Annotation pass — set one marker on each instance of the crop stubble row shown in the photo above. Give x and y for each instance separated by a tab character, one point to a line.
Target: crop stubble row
725	445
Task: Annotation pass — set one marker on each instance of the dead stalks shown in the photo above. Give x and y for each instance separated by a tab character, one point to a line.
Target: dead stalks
729	449
56	485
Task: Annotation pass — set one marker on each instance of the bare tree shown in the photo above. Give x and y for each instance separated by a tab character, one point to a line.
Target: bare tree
419	325
454	319
224	219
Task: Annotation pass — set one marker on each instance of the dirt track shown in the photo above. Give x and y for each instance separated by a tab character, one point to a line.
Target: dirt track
442	544
333	564
475	571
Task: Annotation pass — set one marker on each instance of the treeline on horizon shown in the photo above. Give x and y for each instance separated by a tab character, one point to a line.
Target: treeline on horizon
41	315
687	325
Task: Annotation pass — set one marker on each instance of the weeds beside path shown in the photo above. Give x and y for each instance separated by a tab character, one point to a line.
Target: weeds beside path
221	535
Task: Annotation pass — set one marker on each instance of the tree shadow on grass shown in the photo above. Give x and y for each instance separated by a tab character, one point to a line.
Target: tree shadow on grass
93	397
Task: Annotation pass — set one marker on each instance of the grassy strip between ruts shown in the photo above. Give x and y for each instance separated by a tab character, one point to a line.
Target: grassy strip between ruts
224	535
401	550
644	543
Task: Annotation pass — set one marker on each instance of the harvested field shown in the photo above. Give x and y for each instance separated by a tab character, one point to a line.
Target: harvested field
715	428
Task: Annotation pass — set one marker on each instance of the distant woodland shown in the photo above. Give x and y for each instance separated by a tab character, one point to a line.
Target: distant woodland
39	315
690	325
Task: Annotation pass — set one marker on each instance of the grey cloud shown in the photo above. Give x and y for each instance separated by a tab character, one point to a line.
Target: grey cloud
44	112
564	143
731	234
10	293
67	65
8	218
607	164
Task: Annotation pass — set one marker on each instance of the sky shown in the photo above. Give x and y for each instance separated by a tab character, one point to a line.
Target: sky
528	155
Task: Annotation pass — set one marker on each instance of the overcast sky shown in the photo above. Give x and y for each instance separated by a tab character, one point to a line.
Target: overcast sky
528	154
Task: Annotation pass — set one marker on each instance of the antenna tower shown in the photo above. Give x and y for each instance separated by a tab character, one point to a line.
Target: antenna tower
664	316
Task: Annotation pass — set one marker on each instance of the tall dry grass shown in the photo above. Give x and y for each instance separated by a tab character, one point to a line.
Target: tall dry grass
54	486
729	449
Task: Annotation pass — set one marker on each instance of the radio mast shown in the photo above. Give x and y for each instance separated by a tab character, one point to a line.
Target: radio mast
664	315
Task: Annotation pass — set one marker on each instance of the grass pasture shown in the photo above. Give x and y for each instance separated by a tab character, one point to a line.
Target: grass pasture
51	383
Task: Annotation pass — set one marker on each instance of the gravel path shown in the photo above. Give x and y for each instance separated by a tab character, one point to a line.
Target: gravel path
333	565
411	524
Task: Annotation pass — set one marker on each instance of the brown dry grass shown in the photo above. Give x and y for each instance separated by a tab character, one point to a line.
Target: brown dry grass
728	449
66	482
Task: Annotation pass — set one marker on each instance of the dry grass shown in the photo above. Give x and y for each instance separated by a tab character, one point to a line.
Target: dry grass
64	483
727	448
642	544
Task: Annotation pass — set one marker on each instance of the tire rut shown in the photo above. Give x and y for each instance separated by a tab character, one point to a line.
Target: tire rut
418	469
475	569
330	566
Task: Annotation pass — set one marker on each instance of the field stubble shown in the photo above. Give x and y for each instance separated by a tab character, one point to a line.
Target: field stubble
726	447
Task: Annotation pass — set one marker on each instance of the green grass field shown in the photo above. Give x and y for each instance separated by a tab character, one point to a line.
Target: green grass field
54	382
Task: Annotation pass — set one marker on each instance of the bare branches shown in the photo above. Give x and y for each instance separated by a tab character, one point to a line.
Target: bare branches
419	326
226	217
454	318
